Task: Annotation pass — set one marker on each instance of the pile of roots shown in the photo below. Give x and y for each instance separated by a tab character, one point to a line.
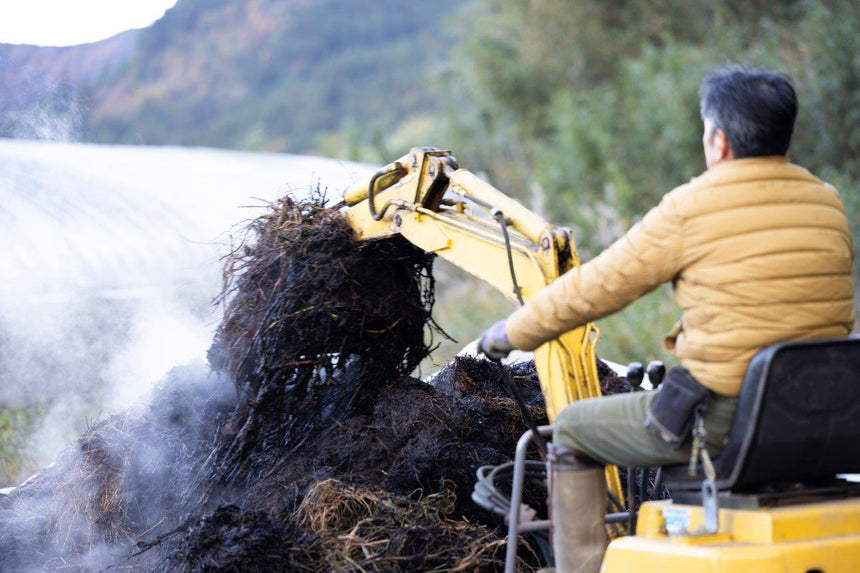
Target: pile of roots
304	445
320	314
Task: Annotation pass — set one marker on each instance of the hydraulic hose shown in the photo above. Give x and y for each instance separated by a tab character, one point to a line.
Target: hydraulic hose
515	393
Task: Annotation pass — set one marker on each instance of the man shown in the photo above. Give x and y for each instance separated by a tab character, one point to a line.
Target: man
758	251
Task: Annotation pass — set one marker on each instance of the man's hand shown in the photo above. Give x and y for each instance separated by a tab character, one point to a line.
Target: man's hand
494	342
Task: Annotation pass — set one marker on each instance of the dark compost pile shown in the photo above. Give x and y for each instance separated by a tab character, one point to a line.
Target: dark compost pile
304	445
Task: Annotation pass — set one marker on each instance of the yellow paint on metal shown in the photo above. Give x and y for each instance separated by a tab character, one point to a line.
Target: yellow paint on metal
408	192
811	538
356	193
814	537
531	225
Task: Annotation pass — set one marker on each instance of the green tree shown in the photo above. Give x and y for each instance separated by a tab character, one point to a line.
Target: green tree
594	105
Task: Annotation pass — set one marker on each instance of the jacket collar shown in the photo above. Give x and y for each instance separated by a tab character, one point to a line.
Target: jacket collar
753	169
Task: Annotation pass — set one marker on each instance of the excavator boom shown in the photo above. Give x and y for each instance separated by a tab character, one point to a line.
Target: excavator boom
426	198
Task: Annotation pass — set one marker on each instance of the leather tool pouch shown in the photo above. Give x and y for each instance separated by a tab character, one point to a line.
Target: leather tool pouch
673	411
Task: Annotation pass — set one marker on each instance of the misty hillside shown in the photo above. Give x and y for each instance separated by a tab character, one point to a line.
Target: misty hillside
251	74
111	260
42	88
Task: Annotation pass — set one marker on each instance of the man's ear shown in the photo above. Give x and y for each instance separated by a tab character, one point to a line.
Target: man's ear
722	147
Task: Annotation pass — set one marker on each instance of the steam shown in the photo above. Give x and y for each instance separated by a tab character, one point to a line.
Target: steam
164	334
111	260
49	109
88	359
46	123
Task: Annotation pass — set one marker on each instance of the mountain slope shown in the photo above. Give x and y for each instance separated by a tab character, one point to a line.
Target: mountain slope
254	74
42	88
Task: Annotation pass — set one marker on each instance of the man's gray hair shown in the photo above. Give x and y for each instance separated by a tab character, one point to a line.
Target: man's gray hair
756	109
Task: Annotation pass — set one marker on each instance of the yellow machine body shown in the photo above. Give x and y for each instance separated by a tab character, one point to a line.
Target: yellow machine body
815	537
426	198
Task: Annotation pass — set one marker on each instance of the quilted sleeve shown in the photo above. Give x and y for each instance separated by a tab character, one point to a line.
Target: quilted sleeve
649	254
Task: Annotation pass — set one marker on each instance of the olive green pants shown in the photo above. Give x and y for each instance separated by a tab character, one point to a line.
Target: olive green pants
611	430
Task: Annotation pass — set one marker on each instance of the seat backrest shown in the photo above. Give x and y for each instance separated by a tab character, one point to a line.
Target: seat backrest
798	416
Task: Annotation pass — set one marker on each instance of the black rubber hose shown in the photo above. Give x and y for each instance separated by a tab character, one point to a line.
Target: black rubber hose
500	217
658	485
400	171
631	499
515	393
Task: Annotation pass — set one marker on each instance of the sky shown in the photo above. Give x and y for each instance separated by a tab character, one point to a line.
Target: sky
69	22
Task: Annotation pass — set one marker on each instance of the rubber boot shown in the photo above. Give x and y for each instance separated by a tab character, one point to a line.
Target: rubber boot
577	492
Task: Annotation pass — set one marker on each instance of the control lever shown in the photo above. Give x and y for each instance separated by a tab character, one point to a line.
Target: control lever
635	374
656	372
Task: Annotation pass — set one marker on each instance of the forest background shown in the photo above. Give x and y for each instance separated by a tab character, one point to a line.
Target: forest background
584	110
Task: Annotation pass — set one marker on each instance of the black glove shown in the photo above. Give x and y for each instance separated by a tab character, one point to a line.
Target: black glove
494	342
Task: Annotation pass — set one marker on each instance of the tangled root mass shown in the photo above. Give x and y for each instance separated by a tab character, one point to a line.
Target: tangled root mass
303	445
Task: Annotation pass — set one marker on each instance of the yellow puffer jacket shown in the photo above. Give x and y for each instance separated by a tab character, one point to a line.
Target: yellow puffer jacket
758	249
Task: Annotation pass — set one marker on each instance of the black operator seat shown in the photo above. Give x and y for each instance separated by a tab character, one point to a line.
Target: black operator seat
797	421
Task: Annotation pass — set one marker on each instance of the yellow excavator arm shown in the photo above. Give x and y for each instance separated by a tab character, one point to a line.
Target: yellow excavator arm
424	197
451	212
